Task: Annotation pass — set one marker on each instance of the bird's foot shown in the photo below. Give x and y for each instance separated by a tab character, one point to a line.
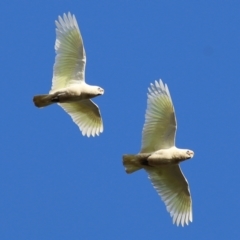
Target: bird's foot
55	99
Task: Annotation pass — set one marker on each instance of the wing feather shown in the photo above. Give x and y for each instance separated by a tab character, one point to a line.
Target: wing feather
86	115
160	122
173	188
70	58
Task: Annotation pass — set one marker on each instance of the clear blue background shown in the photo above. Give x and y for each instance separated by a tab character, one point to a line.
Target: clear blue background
57	184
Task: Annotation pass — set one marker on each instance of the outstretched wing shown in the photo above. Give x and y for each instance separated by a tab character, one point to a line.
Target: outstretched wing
70	60
86	115
160	122
173	188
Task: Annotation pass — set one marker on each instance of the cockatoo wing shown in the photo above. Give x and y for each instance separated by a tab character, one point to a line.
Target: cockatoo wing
160	122
86	115
173	188
70	60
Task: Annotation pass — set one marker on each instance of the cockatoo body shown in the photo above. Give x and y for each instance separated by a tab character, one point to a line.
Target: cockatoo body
159	156
69	88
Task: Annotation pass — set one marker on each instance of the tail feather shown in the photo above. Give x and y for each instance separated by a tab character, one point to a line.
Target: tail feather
131	163
42	100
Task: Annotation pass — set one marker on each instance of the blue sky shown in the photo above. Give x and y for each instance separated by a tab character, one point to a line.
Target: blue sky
57	184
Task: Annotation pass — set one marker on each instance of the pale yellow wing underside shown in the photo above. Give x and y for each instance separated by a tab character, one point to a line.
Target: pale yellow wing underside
70	60
160	122
173	188
86	115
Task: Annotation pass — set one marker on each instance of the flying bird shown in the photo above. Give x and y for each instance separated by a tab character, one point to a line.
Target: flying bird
159	156
69	89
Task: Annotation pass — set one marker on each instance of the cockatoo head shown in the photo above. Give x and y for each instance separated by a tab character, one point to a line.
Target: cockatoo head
100	91
92	91
183	154
189	154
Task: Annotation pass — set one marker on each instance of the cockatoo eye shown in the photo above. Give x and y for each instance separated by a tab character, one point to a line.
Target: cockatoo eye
100	90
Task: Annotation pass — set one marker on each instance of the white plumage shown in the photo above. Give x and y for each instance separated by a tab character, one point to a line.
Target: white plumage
159	156
69	88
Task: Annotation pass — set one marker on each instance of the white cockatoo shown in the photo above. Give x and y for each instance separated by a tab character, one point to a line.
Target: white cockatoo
69	88
159	156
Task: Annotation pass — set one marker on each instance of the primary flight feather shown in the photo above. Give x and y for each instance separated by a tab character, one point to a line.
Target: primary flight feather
159	156
69	88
